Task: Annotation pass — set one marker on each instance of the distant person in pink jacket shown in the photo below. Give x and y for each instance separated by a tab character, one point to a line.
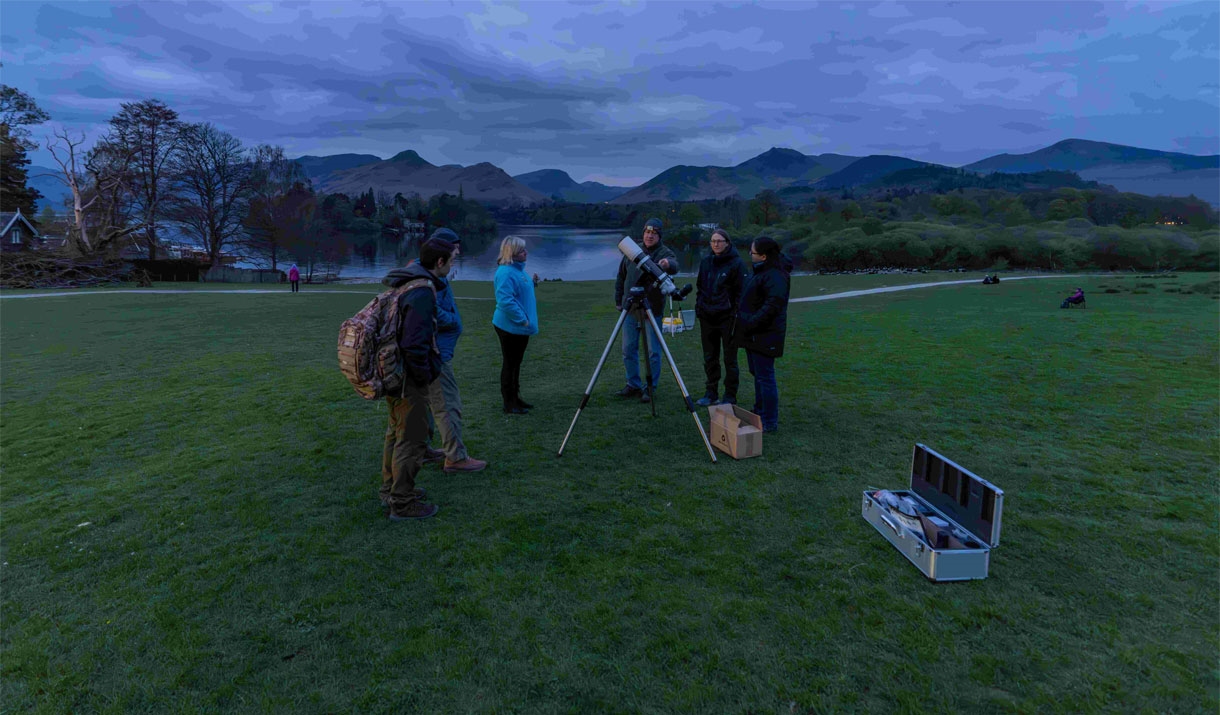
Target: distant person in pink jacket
294	277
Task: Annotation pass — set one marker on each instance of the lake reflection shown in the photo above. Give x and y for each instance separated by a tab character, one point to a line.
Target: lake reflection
573	254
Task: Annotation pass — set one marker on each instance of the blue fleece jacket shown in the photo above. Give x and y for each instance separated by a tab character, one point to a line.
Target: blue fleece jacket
448	322
516	311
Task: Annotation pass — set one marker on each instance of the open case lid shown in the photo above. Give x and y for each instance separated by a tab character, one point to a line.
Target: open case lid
971	501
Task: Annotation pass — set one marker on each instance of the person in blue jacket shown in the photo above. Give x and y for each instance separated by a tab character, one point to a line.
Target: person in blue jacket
515	319
443	395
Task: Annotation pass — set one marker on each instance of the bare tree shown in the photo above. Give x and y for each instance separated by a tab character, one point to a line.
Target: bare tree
98	181
271	220
150	133
212	180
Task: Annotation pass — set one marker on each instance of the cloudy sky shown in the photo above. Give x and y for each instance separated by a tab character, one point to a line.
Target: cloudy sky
617	92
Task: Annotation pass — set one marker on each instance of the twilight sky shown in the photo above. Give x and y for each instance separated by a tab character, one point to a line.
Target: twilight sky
617	92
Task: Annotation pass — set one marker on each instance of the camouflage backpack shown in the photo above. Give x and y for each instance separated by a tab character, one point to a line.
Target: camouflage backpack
368	344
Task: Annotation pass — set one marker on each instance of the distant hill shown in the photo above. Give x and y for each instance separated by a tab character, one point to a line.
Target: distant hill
1142	171
54	192
319	167
939	179
776	168
553	182
868	170
408	173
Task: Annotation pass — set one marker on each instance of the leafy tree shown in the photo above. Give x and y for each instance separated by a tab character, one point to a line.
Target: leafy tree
691	214
17	111
15	193
765	208
1063	209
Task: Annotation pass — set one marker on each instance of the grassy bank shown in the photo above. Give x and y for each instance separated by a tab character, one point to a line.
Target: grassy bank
189	514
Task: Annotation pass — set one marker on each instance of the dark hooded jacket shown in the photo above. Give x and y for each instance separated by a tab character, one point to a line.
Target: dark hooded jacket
629	276
719	285
421	361
762	315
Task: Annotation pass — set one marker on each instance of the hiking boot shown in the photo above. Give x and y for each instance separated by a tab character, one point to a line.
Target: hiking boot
729	400
515	410
645	398
523	404
417	491
629	391
432	456
707	400
468	464
414	510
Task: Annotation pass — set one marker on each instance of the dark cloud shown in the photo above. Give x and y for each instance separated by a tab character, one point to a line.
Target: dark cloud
602	89
1023	127
679	75
980	43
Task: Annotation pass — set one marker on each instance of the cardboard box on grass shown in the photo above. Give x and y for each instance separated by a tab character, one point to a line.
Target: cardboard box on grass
736	432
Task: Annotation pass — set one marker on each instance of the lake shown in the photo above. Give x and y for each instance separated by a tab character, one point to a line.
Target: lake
573	254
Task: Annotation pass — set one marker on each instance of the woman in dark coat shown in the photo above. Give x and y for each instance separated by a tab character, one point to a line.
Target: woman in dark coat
762	321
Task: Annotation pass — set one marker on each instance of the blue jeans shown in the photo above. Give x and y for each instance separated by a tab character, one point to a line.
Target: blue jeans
631	352
766	392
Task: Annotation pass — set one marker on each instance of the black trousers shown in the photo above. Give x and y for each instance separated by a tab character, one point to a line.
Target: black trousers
296	286
715	336
512	348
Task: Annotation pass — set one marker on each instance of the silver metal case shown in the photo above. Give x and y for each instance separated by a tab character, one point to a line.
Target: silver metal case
958	496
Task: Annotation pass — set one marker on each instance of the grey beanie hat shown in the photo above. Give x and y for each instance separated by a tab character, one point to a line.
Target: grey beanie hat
655	223
446	234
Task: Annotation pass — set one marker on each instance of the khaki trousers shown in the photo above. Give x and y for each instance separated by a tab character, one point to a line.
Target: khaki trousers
406	439
446	403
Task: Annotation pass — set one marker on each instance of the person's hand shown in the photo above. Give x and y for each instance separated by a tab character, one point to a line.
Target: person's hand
663	263
618	307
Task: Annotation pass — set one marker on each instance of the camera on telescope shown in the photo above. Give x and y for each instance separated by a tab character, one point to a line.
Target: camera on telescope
648	267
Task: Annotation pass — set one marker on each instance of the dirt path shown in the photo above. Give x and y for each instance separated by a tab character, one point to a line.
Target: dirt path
808	299
911	286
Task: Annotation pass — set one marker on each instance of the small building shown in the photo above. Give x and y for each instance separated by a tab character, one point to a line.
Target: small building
17	234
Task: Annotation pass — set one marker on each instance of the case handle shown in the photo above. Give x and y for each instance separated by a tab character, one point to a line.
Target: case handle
890	523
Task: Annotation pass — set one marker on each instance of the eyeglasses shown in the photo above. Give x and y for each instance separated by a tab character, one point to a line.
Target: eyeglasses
719	240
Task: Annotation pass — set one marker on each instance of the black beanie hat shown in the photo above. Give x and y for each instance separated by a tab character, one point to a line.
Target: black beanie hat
446	234
655	223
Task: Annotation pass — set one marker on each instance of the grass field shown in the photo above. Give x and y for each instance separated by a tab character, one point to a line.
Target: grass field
190	520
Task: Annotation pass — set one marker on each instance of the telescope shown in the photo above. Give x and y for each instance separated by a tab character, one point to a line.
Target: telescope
636	255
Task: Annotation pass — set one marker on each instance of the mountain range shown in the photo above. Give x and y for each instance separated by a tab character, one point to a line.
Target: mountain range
1142	171
409	173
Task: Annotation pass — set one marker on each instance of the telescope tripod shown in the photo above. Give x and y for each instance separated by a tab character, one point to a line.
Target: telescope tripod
638	308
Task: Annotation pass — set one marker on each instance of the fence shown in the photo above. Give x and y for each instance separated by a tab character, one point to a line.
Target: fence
227	274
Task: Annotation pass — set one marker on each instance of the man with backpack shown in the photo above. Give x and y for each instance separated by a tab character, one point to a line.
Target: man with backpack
406	437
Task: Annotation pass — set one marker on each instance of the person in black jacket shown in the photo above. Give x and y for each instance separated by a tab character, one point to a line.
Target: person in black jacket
406	437
722	275
762	321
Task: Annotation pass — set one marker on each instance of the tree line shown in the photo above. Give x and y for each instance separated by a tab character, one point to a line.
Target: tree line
152	174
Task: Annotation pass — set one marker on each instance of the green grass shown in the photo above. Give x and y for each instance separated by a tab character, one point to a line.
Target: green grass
235	557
